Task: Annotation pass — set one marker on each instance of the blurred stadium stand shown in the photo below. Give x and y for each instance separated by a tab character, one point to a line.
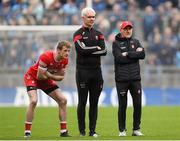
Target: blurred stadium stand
156	24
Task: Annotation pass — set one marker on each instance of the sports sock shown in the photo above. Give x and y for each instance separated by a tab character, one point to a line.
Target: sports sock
28	126
63	126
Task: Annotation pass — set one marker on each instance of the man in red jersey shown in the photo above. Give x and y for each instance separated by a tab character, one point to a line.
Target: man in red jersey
49	68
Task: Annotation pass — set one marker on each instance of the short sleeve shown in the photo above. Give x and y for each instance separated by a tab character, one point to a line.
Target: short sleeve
44	59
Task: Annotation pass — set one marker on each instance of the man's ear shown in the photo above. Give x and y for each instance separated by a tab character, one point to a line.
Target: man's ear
58	51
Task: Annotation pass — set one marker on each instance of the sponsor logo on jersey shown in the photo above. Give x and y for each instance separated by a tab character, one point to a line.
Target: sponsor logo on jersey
123	47
85	37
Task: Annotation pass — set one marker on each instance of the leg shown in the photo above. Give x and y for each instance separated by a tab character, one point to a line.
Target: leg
95	88
32	105
82	87
136	97
122	88
30	110
31	85
62	102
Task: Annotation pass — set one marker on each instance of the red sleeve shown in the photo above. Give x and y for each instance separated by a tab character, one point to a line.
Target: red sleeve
44	58
77	37
101	37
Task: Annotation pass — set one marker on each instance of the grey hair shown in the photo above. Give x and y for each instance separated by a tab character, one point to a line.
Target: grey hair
86	10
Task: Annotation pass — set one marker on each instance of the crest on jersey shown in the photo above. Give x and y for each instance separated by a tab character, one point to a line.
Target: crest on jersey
123	47
132	46
96	37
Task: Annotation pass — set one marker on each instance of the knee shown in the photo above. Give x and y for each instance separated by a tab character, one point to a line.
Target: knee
137	104
33	102
82	104
63	102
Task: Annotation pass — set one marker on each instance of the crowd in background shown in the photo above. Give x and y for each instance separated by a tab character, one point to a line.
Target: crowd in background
156	22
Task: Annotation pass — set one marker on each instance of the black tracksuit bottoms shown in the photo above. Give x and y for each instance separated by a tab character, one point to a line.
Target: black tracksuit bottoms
135	90
88	81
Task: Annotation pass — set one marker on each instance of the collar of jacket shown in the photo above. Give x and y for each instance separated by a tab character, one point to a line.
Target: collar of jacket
120	38
87	28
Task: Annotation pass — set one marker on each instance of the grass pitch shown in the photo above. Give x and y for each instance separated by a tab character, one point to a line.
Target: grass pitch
158	123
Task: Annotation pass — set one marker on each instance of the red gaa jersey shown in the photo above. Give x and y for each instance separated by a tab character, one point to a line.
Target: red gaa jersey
48	59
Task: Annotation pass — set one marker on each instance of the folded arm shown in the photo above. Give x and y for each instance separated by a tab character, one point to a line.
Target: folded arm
43	73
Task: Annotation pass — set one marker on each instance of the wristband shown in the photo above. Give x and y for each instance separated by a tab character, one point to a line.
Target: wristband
43	70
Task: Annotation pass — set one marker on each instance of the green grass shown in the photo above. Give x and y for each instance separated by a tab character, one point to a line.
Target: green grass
158	123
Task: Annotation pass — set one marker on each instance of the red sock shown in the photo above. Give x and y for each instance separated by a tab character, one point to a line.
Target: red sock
28	126
63	126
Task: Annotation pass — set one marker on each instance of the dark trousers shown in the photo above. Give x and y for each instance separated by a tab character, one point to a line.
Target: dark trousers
88	81
135	90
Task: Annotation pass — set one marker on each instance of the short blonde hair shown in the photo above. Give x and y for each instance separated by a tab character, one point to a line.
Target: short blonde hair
63	43
86	10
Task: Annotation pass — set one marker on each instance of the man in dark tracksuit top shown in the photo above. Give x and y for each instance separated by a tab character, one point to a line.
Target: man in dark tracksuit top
90	46
127	51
